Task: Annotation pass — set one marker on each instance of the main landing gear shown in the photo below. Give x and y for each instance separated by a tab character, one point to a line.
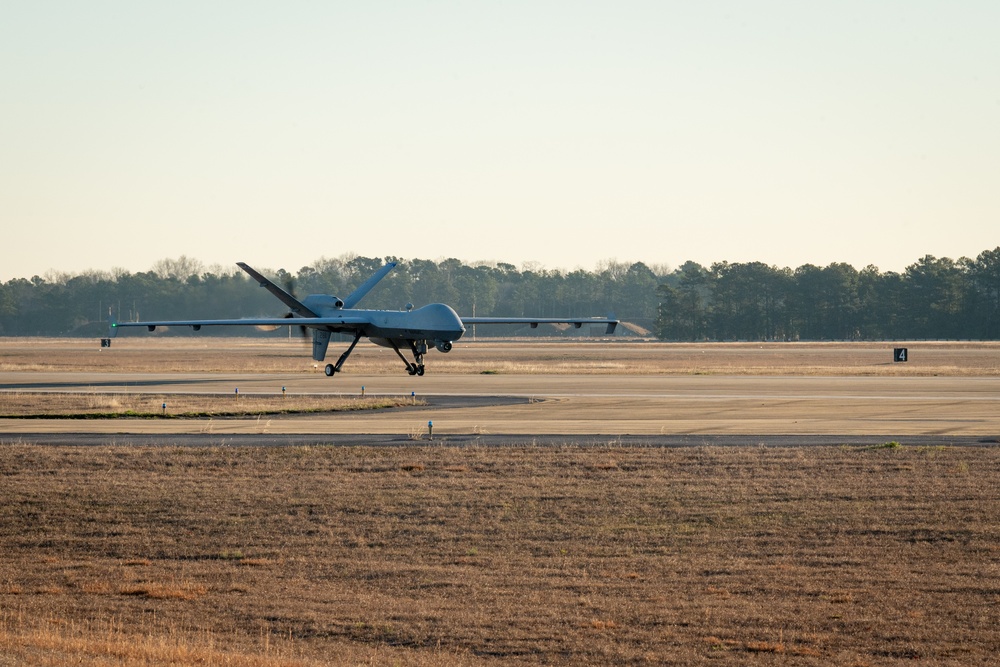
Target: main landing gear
331	368
415	367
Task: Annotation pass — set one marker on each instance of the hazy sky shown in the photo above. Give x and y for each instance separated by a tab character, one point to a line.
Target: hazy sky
563	133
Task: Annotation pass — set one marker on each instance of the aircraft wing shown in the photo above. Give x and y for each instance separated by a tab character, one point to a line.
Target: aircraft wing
535	321
350	322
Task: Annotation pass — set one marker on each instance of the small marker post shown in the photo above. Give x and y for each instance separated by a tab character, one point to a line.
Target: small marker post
237	393
283	392
413	397
362	390
430	430
164	406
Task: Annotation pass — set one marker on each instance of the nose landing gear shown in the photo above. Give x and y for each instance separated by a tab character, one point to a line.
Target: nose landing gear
419	348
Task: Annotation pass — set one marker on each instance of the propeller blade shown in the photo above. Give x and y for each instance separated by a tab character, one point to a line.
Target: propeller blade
302	329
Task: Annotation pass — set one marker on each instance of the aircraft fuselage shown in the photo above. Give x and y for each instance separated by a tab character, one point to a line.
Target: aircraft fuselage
433	322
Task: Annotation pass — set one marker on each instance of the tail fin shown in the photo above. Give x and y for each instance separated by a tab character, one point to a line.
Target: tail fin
321	340
365	287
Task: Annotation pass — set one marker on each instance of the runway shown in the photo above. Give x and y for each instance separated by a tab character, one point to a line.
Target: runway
497	408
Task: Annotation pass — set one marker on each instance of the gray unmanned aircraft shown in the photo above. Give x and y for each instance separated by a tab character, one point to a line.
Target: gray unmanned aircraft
436	325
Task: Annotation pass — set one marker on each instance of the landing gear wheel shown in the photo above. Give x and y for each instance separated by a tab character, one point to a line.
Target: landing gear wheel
412	370
329	370
420	369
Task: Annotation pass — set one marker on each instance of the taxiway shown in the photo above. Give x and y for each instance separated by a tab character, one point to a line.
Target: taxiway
603	406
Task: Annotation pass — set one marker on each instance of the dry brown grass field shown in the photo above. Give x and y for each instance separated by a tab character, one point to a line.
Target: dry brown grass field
104	405
150	353
462	556
515	555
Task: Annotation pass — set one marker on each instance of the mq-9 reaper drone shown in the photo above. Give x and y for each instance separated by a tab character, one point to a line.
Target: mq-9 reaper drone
435	325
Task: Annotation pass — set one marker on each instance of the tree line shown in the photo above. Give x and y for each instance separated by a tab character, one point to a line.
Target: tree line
81	304
931	299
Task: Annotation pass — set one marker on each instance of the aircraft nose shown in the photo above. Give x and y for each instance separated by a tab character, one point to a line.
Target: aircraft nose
454	322
457	322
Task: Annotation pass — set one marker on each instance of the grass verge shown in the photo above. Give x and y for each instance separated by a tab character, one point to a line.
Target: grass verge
59	405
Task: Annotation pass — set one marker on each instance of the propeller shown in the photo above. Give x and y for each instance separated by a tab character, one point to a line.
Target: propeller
290	288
